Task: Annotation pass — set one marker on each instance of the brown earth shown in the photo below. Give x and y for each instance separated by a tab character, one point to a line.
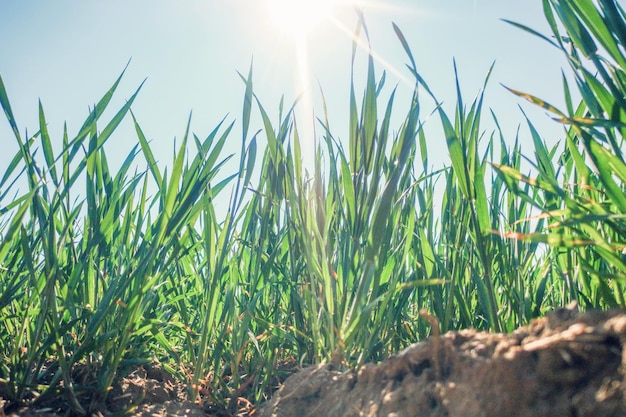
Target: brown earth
148	391
566	364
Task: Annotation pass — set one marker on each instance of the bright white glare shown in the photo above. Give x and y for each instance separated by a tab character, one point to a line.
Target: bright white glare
299	22
297	18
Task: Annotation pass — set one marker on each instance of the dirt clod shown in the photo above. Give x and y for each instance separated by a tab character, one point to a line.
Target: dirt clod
566	364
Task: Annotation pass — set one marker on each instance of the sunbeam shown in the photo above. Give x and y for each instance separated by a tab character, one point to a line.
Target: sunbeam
299	22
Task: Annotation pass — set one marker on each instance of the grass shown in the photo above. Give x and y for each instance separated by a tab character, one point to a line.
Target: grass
335	266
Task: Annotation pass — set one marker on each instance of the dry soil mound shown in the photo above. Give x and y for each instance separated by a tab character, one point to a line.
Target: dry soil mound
566	364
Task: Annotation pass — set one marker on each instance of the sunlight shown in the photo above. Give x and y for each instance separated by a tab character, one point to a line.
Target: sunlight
296	18
302	23
297	22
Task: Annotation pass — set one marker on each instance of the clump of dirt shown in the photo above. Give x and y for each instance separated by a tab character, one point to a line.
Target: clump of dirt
566	364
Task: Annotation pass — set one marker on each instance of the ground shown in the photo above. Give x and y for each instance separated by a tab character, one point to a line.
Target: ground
566	364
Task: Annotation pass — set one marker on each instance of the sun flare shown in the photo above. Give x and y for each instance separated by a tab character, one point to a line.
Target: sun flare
297	18
309	27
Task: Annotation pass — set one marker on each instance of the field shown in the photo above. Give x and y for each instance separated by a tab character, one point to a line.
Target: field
371	252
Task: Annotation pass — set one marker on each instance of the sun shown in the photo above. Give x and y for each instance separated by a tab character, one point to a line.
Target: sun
298	18
305	26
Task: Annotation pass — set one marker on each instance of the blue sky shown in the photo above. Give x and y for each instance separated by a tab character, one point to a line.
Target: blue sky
68	53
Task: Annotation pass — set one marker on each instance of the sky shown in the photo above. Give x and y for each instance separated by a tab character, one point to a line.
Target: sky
68	53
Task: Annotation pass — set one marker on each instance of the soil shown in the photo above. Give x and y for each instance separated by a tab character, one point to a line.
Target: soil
566	364
147	391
